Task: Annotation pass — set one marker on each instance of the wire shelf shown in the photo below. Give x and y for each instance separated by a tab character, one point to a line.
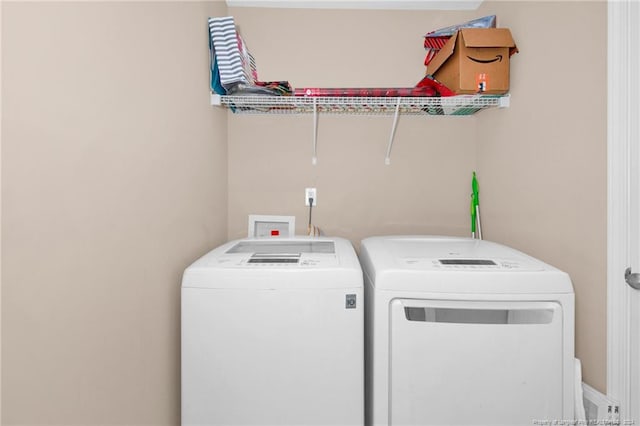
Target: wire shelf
454	105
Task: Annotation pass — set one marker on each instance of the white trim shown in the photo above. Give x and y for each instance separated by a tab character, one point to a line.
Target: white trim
622	113
1	7
618	205
361	4
633	138
599	408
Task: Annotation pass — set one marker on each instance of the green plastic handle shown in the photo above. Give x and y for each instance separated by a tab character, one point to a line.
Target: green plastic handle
475	201
473	215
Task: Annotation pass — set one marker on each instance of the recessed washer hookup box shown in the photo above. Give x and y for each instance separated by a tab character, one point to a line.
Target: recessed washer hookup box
475	61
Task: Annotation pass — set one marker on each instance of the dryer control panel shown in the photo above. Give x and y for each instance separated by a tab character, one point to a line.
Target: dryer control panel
471	264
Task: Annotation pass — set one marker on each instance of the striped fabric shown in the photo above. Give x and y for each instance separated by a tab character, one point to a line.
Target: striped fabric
431	53
248	61
393	92
433	44
233	59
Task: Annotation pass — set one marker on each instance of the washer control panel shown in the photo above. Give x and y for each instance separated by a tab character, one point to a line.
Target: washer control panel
276	254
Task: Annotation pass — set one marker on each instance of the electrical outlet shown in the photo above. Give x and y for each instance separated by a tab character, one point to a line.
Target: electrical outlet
310	193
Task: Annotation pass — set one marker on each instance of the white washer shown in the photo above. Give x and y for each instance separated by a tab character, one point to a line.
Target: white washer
465	332
272	334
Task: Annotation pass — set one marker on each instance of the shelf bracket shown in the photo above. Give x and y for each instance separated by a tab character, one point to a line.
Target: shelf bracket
387	159
504	101
314	159
216	100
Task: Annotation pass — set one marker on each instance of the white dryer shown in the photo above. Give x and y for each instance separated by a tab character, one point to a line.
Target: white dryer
272	334
465	332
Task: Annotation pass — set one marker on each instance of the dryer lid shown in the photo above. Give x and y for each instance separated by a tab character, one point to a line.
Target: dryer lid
455	254
457	265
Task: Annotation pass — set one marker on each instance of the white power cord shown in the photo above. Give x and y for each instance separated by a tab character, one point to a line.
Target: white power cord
312	230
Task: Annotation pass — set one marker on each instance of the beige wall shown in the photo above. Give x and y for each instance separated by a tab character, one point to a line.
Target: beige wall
113	180
551	144
424	190
541	163
116	175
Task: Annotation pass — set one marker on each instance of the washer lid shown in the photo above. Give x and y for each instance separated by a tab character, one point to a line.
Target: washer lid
287	246
450	264
284	253
277	263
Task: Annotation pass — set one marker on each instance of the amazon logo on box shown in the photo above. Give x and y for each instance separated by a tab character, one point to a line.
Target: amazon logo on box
475	60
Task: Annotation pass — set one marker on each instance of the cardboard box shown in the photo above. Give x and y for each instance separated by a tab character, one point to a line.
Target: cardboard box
475	60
